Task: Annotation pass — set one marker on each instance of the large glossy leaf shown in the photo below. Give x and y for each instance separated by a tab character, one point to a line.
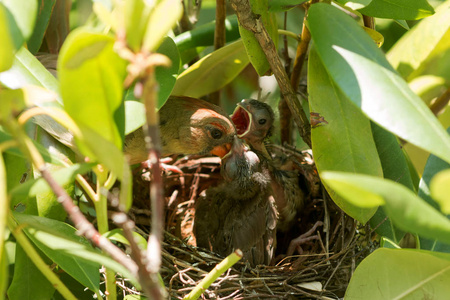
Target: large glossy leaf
440	190
27	70
28	282
252	46
62	176
59	241
433	166
44	13
425	43
343	141
398	9
283	5
395	167
4	207
22	17
91	76
7	44
162	19
52	238
401	274
136	13
212	72
363	74
407	210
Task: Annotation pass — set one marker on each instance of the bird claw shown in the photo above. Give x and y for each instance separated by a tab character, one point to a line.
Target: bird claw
302	239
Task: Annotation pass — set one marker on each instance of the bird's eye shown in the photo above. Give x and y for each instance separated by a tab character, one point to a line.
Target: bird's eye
216	134
262	121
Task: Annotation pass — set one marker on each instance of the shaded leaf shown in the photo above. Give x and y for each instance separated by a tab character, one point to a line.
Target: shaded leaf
407	210
401	274
22	17
426	42
212	72
60	243
43	18
398	9
345	143
283	5
28	282
167	76
363	74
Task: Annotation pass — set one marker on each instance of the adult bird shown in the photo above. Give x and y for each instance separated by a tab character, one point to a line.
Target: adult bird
187	126
239	213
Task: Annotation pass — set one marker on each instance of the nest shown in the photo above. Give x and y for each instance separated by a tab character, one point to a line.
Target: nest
320	269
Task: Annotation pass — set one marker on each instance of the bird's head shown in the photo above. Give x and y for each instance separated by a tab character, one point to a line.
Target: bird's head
254	121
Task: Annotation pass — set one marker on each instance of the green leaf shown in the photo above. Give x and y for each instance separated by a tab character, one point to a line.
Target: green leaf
363	74
54	238
27	70
7	45
385	227
91	76
167	76
433	166
4	208
426	43
252	46
162	19
343	141
355	4
62	176
24	13
387	243
203	36
408	211
398	9
118	236
4	274
283	5
136	18
28	282
400	274
44	13
440	190
212	72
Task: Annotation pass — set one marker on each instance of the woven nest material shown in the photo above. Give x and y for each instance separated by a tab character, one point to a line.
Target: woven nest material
320	269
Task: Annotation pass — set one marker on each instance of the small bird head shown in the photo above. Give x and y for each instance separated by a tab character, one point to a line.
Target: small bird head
254	122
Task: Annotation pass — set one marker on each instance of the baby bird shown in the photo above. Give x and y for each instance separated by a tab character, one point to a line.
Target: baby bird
239	213
187	126
254	123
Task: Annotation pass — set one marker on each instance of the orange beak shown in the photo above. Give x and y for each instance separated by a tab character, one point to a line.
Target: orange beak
221	150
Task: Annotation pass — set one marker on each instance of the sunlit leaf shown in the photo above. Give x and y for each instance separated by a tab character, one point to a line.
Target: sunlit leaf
401	274
212	72
7	45
342	141
424	44
252	46
162	19
408	211
398	9
363	74
440	190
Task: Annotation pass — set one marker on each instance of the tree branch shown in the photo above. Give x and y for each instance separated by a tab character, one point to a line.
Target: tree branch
253	23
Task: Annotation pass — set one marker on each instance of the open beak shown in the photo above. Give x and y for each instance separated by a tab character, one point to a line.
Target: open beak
242	119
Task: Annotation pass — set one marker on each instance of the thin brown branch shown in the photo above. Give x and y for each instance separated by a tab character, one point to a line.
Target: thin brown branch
153	145
251	22
369	22
84	227
283	108
440	102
